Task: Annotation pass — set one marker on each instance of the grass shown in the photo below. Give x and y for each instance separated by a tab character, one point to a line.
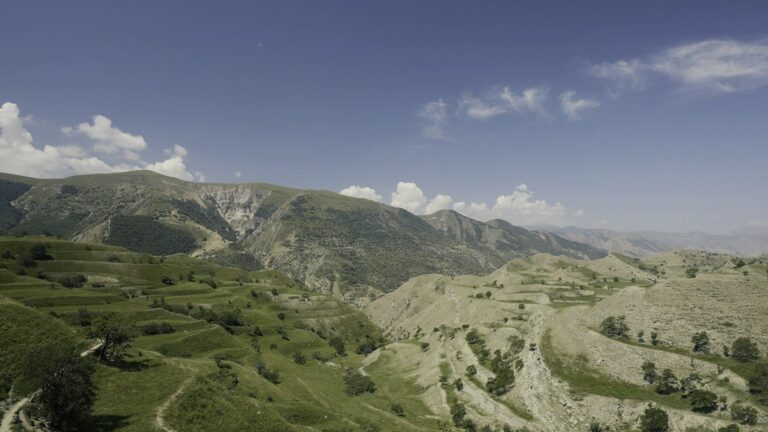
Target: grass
582	378
129	396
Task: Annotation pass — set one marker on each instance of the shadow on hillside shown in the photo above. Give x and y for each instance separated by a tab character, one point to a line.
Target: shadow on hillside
131	365
108	423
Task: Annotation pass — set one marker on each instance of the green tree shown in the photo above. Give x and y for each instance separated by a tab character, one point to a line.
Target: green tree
744	349
397	409
701	342
457	413
691	272
299	358
654	420
65	382
667	383
743	414
703	401
649	372
758	381
337	343
615	327
471	370
357	383
113	335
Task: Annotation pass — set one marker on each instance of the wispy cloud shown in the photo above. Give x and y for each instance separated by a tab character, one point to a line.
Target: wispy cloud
503	100
715	65
434	120
572	106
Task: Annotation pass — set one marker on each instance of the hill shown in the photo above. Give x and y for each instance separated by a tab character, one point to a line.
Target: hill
642	243
328	241
214	348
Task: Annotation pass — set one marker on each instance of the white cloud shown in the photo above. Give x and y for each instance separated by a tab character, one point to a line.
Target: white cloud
504	101
237	174
716	65
439	202
410	197
572	106
518	207
109	139
19	155
175	166
365	192
434	120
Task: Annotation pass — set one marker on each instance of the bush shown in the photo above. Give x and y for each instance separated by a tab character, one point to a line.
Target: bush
701	342
745	415
744	350
337	344
691	272
272	376
471	370
654	420
357	383
366	347
667	383
299	358
72	281
457	413
758	381
397	409
729	428
703	401
649	372
614	327
157	328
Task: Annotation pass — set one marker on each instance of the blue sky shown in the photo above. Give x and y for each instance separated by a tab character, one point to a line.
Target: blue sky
643	115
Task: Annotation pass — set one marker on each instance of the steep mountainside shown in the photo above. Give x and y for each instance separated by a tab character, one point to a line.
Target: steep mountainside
644	243
329	241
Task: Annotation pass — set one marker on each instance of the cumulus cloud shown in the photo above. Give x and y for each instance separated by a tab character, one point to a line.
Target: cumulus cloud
503	101
519	207
434	120
109	139
19	155
572	106
365	192
717	65
237	174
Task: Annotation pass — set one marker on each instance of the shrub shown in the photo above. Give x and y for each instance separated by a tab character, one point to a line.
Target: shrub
368	346
157	328
758	381
691	272
703	401
649	372
272	376
743	414
72	281
356	383
299	358
654	420
397	409
729	428
614	327
667	383
471	370
701	342
457	413
337	343
744	350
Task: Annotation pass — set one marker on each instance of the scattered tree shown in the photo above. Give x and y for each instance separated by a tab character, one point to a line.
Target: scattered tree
113	335
701	342
744	349
614	327
357	383
649	372
703	401
744	414
654	420
337	343
397	409
667	383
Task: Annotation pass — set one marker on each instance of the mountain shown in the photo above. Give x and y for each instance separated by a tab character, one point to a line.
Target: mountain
329	241
642	243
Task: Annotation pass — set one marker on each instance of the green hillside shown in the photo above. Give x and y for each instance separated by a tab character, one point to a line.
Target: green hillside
329	241
214	348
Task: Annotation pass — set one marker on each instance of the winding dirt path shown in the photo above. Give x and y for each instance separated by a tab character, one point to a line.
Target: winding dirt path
159	419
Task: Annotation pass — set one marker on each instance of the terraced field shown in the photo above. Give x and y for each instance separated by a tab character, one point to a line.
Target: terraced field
202	375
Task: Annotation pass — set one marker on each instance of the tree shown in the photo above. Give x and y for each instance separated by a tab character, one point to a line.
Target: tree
745	415
729	428
649	372
457	413
691	272
397	409
690	384
654	420
337	343
113	335
65	380
281	316
39	252
703	401
299	358
667	383
614	327
744	350
458	384
357	383
701	342
758	381
471	371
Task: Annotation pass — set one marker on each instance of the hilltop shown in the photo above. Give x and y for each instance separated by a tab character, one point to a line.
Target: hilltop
329	241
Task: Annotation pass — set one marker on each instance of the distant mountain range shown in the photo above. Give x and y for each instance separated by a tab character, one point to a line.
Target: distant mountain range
329	241
749	241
